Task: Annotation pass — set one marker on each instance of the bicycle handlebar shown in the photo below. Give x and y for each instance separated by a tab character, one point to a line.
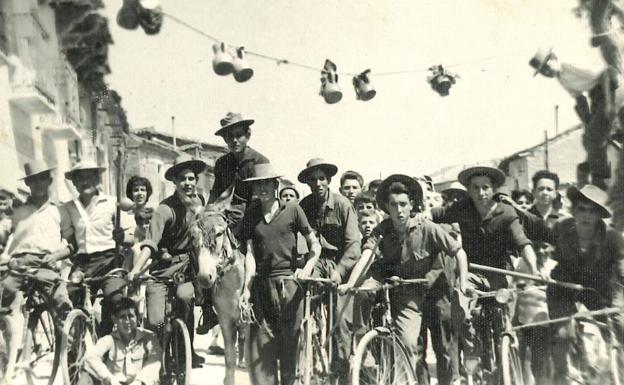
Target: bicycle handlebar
489	269
391	283
586	315
319	281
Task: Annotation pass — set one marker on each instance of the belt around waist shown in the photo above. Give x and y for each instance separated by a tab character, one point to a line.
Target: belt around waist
90	257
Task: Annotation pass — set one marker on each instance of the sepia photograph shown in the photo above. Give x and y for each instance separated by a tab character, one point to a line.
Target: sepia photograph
290	192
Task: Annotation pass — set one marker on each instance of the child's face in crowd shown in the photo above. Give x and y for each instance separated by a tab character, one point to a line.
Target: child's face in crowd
524	202
367	224
288	195
350	188
126	322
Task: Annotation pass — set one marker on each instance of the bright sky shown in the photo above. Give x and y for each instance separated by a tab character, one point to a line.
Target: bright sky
496	108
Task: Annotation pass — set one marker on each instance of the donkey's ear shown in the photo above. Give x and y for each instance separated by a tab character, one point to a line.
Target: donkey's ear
223	201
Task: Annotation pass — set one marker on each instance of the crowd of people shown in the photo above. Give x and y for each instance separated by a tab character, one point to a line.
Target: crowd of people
358	236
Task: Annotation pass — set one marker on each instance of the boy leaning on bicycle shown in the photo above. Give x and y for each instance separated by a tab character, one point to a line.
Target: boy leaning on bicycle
410	246
589	253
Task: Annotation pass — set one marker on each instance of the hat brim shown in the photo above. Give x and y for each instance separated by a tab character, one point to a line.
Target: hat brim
197	166
574	194
330	170
257	178
497	176
70	174
240	123
454	190
410	183
36	173
543	63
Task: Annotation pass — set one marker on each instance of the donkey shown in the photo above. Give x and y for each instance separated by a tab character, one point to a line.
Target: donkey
221	267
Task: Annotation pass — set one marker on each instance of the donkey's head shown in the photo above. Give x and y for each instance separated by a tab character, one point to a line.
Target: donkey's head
213	241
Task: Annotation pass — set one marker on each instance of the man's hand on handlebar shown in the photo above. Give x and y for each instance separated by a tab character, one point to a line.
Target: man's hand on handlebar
345	288
336	277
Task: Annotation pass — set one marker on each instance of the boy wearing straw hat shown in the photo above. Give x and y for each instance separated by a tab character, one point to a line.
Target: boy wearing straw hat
39	239
410	246
169	230
334	220
270	230
237	165
587	252
93	217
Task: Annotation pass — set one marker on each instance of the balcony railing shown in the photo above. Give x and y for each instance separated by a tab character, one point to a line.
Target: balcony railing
33	91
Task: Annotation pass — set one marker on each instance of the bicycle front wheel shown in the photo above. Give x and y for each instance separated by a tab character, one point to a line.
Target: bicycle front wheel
177	360
313	363
78	336
381	358
42	342
510	362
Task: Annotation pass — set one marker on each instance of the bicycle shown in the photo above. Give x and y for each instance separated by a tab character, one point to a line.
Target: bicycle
176	342
380	356
39	335
81	326
499	358
576	322
315	348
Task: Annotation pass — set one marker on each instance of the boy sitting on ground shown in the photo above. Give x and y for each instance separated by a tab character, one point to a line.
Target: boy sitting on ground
129	355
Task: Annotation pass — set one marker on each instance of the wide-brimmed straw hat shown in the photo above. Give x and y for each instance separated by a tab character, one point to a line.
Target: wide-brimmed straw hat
182	162
317	163
262	171
35	167
80	166
414	188
593	194
497	176
233	120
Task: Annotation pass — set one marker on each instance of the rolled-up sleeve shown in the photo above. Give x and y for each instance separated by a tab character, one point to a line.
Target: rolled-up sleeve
162	216
441	239
352	244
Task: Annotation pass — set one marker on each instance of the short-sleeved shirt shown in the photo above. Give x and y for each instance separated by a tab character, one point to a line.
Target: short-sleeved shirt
171	224
600	267
92	226
228	169
488	241
335	223
138	360
414	254
275	243
39	230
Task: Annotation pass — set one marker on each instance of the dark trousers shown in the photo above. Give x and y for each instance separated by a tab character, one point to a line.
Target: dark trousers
437	313
156	295
536	342
275	337
97	265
